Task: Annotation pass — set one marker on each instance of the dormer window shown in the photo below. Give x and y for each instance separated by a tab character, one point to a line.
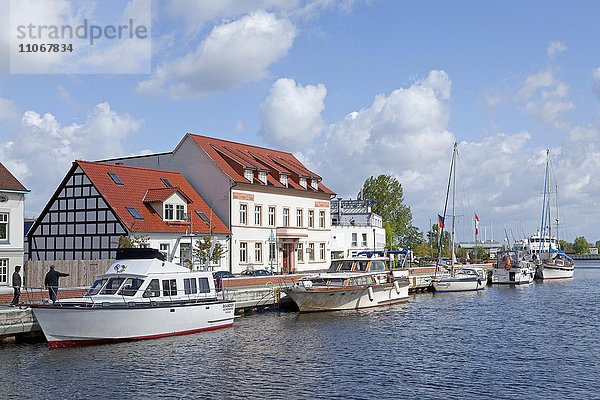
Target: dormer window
303	182
168	211
248	175
180	212
262	176
315	184
283	180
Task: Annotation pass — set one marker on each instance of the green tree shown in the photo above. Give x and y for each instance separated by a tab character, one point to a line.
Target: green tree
566	246
205	251
128	242
581	245
388	195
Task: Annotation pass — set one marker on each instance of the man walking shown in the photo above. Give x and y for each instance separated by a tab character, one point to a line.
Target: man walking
51	282
16	283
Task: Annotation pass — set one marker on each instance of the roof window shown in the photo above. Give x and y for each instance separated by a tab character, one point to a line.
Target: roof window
248	174
303	182
262	176
315	184
115	178
166	182
283	179
134	213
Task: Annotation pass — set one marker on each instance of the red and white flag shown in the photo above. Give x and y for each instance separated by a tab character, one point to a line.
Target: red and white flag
476	225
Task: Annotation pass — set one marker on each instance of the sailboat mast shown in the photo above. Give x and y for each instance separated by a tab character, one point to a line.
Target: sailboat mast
453	199
544	205
446	206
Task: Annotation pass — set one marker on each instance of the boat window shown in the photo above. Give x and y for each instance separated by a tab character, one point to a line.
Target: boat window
112	285
377	265
346	266
334	266
361	266
131	286
153	289
189	286
96	287
169	287
203	285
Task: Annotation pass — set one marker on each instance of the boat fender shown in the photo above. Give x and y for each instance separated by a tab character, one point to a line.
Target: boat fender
397	287
371	295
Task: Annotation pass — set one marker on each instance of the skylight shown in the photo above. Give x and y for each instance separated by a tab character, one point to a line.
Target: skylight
134	213
115	178
166	182
202	216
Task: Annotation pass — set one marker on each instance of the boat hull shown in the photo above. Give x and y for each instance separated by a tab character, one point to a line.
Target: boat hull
458	285
73	326
546	272
512	276
318	299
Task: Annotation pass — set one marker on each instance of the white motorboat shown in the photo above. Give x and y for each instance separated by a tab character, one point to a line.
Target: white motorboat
461	280
351	290
139	297
512	268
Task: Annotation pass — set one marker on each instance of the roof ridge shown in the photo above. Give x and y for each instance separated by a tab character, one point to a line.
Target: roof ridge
239	143
128	167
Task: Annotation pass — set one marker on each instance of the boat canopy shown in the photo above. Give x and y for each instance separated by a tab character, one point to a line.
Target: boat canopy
144	267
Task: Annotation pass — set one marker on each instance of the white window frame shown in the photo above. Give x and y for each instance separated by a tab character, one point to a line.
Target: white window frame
165	248
301	252
4	270
354	242
243	252
299	217
180	212
249	175
272	215
311	218
303	182
286	216
243	214
169	212
322	251
315	184
284	180
311	252
258	215
258	252
262	176
4	221
322	223
364	240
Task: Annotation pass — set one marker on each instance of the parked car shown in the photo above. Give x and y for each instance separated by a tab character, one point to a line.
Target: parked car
222	274
256	272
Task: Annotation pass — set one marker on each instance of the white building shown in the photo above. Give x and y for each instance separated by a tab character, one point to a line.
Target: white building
12	203
355	228
96	204
277	209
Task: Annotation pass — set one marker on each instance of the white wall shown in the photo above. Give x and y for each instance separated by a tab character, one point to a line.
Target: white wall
341	239
11	249
252	233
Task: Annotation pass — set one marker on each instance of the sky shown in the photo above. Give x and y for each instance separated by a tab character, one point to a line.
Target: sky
353	88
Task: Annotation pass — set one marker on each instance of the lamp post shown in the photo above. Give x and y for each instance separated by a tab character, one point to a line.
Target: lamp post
374	245
271	249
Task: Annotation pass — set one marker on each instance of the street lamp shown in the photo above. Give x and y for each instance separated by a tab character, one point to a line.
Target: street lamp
271	249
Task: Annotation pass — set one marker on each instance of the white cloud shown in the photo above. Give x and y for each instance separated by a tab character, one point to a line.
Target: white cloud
555	48
291	115
40	149
233	54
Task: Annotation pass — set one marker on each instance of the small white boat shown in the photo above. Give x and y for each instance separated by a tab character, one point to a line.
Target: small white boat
334	291
137	298
461	280
555	268
512	268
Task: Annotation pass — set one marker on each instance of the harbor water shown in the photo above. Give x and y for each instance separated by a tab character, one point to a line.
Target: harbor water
538	341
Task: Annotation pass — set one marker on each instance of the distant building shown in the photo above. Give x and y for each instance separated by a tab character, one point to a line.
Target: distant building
489	245
12	203
355	228
593	250
97	203
276	208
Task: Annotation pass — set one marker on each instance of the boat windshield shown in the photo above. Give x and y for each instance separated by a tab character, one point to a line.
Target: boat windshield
131	286
377	265
361	265
112	285
340	265
98	283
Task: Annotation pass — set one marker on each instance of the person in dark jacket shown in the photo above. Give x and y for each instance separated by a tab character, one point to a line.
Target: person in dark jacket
16	283
51	282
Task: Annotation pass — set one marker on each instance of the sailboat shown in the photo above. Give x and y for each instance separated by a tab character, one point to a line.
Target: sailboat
457	278
551	261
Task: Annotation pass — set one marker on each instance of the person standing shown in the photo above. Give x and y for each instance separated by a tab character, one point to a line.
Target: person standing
51	282
16	283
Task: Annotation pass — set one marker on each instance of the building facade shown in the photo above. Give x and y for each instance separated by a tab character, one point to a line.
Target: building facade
12	205
278	211
98	206
355	228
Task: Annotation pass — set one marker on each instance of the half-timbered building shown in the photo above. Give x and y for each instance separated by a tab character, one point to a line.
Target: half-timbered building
98	203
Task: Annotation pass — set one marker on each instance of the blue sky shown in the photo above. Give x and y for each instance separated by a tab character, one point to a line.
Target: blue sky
354	88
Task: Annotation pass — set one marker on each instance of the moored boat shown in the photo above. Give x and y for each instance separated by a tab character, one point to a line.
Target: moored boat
139	297
350	284
512	268
461	279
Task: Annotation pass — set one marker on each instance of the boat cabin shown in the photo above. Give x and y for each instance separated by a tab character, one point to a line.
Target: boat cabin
359	265
507	258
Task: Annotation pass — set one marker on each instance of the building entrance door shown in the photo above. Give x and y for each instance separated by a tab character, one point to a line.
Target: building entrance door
288	258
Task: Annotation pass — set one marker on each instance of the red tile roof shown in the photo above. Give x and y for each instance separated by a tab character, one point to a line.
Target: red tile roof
9	182
137	184
161	194
233	158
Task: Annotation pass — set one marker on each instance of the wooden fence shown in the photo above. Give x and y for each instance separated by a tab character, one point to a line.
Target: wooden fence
81	272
